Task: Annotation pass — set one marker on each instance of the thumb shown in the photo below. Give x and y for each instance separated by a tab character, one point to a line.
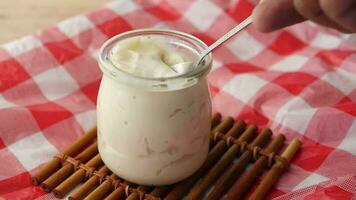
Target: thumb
270	15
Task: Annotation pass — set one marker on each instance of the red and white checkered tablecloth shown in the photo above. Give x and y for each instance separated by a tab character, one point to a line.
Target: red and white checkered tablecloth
300	81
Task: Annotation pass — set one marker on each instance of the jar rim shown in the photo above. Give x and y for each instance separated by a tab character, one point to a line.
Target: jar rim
107	66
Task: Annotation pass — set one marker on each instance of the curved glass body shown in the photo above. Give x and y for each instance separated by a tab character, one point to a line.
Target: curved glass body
154	131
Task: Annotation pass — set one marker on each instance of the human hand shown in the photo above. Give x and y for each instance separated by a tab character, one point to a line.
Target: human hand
270	15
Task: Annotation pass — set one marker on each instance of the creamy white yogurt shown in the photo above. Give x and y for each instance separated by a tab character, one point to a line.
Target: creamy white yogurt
152	137
149	56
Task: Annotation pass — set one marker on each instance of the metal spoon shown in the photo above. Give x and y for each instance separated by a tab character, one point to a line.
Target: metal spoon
183	67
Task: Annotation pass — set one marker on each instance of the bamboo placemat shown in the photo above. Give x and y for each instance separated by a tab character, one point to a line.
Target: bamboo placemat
238	157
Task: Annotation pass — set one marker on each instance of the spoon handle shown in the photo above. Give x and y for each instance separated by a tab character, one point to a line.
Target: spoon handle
225	37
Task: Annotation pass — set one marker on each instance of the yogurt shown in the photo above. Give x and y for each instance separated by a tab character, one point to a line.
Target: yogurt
149	56
146	135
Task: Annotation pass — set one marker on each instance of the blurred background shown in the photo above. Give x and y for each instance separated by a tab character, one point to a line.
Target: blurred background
22	17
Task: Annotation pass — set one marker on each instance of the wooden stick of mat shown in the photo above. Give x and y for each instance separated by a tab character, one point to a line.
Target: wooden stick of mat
223	127
68	168
103	189
89	185
135	195
119	192
229	176
215	120
275	172
246	181
214	155
53	165
77	177
225	160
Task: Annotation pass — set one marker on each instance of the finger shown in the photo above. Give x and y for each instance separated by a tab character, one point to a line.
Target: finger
310	9
341	11
270	15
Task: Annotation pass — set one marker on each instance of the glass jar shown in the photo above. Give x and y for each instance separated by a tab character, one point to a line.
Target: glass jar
154	131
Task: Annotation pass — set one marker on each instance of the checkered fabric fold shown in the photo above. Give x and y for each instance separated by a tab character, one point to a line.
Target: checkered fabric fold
300	81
